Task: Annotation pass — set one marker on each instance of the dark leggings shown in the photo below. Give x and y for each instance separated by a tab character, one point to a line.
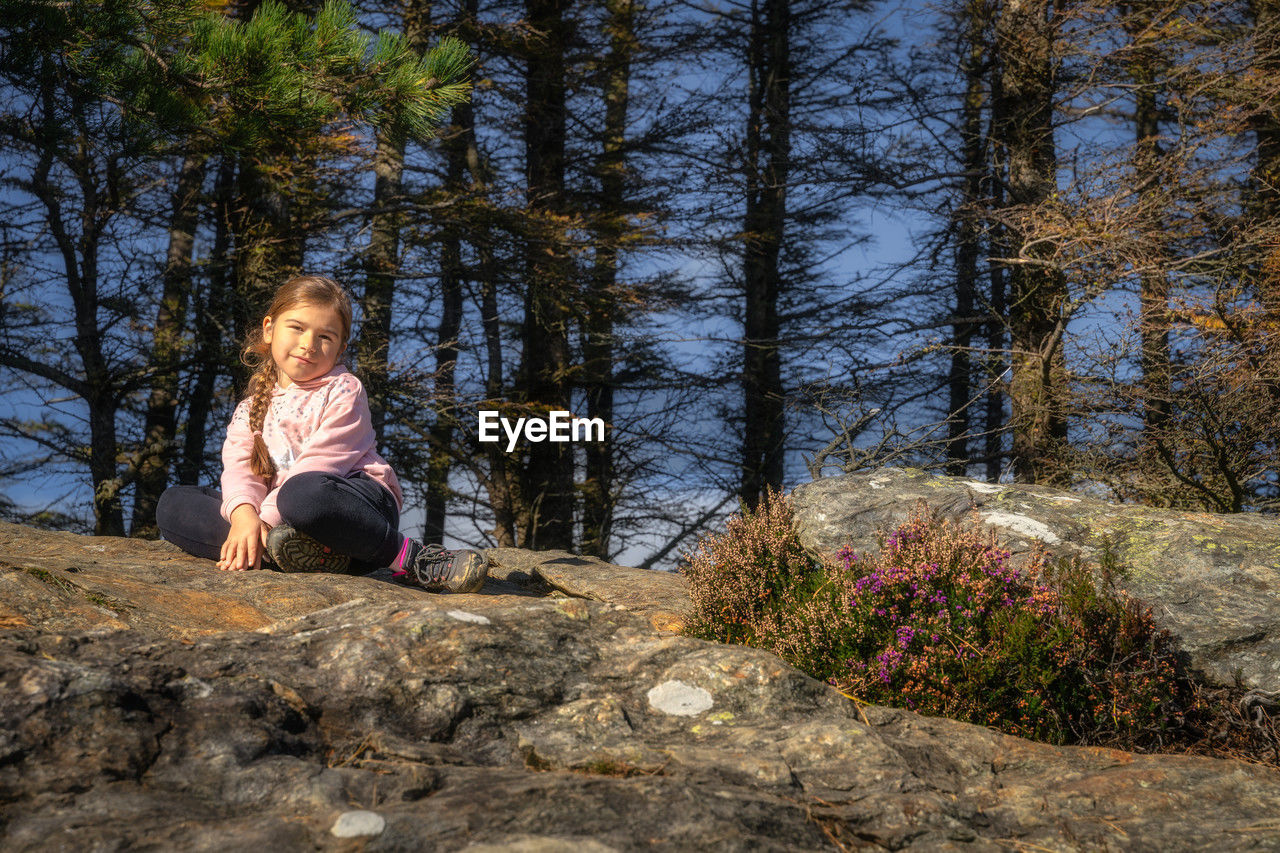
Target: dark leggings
353	515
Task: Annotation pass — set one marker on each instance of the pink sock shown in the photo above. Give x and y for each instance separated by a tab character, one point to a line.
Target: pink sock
404	550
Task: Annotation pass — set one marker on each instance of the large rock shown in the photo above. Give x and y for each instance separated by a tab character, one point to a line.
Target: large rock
520	719
1211	579
64	582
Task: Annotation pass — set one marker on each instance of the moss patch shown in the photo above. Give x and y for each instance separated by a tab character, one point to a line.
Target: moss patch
66	586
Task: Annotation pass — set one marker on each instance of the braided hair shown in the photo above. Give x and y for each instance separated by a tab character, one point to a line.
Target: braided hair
304	289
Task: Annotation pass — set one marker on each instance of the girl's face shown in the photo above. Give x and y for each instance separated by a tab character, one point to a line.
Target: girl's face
306	342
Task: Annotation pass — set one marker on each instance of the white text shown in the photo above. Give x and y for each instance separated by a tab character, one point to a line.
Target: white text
557	426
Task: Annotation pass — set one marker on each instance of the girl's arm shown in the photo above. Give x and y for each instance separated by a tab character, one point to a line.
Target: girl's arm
239	484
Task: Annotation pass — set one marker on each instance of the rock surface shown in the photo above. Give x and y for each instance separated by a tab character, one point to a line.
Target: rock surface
1211	579
150	702
66	582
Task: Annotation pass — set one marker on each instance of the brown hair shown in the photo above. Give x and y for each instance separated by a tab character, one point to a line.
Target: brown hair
300	290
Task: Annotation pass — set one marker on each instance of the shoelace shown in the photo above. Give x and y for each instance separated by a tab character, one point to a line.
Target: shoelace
436	560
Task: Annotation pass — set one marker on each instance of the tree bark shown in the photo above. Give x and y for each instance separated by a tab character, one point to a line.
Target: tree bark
1154	318
599	349
77	249
1026	32
547	484
997	361
768	153
502	483
212	316
268	243
452	276
968	241
160	430
1266	170
381	266
382	258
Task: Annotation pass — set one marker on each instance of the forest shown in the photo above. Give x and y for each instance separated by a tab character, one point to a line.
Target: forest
760	240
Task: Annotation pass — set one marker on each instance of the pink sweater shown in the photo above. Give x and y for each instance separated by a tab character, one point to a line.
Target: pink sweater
321	425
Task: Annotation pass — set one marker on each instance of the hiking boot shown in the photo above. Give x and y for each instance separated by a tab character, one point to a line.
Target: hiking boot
438	570
294	551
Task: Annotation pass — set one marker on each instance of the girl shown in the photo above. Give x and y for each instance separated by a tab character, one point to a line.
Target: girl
301	475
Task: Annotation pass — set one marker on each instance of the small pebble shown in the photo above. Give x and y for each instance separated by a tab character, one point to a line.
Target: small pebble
358	824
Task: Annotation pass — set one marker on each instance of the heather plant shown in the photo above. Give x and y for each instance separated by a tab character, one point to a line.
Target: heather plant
947	626
746	583
940	622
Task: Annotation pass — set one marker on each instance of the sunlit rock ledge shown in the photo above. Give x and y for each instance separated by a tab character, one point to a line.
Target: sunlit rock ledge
149	701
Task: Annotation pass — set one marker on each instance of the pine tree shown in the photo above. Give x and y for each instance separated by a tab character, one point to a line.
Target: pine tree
79	92
119	89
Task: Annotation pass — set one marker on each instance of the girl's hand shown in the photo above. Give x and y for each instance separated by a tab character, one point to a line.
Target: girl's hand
246	541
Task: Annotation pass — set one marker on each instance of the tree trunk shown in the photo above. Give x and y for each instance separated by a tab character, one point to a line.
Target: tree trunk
212	316
995	424
997	361
160	431
103	397
502	483
547	485
968	241
268	243
1266	170
381	266
452	275
78	252
602	308
1154	283
768	152
1025	35
382	259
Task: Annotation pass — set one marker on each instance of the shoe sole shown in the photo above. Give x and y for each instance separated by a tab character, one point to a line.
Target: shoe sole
298	552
